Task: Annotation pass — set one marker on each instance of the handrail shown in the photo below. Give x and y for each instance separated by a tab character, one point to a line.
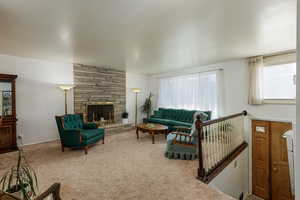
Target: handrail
222	118
218	145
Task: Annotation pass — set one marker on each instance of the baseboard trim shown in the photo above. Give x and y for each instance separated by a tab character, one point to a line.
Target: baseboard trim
41	142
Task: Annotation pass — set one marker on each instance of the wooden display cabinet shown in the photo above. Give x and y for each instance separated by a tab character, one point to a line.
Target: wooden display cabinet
8	119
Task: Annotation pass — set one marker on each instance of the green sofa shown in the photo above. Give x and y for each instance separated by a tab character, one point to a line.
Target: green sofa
74	133
176	117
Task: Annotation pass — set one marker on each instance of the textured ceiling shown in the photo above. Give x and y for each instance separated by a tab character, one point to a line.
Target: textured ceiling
146	36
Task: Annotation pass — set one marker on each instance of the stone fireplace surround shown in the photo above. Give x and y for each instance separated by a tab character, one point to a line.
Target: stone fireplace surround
99	86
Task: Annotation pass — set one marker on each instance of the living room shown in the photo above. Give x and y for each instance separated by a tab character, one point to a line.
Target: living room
103	59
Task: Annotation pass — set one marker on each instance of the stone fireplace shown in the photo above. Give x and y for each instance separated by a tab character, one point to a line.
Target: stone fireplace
100	93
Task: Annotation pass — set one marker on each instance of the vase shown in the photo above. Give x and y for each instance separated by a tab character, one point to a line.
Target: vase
125	120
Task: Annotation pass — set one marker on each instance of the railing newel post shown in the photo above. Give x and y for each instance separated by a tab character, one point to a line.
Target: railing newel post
201	171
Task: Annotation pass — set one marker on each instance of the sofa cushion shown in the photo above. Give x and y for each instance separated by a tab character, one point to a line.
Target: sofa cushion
72	121
92	140
90	133
159	120
178	123
90	125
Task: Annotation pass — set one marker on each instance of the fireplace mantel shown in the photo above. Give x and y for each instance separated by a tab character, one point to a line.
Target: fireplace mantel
99	103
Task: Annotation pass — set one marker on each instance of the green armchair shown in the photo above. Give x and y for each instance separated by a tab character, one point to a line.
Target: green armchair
74	133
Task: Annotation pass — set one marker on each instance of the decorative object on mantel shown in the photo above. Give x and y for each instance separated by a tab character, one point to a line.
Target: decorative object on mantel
125	117
147	107
66	88
136	91
8	130
20	180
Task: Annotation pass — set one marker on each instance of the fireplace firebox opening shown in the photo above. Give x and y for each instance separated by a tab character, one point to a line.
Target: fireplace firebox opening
100	112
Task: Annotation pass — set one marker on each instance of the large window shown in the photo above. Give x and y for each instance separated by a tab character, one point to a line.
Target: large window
279	82
192	92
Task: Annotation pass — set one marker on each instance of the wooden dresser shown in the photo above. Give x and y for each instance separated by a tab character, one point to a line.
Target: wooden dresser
8	130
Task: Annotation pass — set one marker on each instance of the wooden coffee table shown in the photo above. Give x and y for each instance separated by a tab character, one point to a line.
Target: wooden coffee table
152	129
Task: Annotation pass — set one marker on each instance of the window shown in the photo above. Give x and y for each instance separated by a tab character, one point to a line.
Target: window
192	92
279	82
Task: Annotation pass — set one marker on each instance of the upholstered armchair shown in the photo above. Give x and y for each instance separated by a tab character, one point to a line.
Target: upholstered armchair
181	144
74	133
51	193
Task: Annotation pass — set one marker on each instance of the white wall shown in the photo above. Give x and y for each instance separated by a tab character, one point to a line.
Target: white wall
297	158
136	81
38	97
232	179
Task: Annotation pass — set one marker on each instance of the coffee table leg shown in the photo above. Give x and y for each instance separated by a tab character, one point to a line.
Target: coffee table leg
137	133
152	137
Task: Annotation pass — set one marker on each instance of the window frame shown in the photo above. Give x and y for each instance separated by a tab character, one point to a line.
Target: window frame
279	101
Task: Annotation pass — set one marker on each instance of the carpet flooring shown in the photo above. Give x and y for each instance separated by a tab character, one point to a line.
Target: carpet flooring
123	168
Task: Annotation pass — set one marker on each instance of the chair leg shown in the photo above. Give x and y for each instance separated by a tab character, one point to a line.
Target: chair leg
103	140
62	148
86	150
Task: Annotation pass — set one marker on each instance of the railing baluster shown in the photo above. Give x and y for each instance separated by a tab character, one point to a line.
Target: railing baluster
211	150
223	139
215	148
228	136
220	150
232	127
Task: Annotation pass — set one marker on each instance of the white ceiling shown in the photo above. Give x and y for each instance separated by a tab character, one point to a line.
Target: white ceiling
146	36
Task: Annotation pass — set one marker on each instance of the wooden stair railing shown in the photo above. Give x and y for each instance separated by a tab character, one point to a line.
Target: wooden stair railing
220	141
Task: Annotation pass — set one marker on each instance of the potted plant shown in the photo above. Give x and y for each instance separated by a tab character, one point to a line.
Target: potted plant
147	107
20	180
125	117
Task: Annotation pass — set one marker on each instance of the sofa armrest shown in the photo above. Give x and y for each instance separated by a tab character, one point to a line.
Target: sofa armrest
90	125
71	137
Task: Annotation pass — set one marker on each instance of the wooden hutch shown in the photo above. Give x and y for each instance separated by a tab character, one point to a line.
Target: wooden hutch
8	130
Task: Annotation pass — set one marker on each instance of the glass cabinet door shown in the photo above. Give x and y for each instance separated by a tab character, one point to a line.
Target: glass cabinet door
5	99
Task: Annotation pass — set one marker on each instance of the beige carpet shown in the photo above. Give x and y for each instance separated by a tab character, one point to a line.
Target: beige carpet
123	168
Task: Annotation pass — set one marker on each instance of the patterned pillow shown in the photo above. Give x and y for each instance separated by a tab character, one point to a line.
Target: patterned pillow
203	116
